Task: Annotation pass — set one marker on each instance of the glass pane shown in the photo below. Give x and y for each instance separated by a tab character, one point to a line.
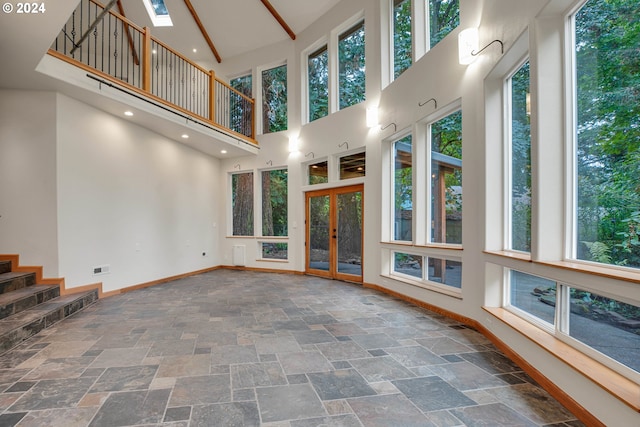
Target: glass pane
520	161
319	173
242	203
534	295
275	250
608	132
318	67
239	110
159	7
352	166
350	233
446	179
607	325
444	17
402	40
319	233
408	264
274	202
242	84
274	99
445	271
351	77
403	190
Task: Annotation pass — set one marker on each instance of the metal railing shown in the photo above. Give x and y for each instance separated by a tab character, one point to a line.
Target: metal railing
108	44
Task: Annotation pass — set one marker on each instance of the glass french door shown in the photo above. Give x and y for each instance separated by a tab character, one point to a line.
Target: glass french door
334	219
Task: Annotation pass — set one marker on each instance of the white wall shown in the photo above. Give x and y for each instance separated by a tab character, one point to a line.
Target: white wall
131	199
28	214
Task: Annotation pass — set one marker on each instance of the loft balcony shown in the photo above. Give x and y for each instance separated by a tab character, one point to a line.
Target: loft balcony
112	51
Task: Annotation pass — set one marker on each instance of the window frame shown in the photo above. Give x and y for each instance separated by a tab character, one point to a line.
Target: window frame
315	50
230	228
560	329
260	211
350	26
331	42
508	161
428	194
259	99
420	34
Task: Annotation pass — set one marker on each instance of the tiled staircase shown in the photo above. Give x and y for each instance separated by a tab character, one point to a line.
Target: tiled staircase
26	308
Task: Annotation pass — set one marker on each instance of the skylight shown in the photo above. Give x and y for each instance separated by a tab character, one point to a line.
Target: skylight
158	13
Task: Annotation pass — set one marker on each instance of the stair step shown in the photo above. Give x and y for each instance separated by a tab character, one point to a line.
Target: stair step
14	280
19	327
22	299
5	266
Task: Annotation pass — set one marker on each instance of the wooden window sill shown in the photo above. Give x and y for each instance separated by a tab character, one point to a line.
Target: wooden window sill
616	384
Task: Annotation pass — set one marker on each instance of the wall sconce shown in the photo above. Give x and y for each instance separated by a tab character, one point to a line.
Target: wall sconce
294	145
343	144
468	42
372	117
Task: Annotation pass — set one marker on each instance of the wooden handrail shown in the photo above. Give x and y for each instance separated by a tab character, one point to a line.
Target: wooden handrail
124	19
232	89
179	55
145	84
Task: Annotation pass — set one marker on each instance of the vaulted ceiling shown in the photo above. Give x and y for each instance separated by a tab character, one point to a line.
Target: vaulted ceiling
234	26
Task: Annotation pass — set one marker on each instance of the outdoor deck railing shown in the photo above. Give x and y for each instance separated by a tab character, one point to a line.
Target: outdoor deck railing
109	45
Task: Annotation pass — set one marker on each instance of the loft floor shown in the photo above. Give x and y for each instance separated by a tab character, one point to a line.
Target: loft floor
248	349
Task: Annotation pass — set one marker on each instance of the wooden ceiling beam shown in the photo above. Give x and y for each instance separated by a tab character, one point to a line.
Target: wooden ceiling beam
281	21
196	18
132	46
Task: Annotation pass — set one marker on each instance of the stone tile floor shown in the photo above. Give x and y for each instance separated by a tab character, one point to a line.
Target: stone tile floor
231	348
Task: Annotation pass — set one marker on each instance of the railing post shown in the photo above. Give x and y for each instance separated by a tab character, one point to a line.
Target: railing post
212	96
146	60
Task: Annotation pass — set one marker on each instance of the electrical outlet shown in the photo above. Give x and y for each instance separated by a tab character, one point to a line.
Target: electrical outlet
101	269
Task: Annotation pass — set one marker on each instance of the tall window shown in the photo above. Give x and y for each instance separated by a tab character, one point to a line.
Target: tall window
446	179
274	202
444	17
520	151
274	99
242	203
402	36
403	189
318	78
239	110
419	25
607	156
351	63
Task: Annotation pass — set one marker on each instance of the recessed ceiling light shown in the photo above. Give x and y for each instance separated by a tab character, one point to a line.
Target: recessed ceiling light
154	51
195	50
223	151
128	113
185	136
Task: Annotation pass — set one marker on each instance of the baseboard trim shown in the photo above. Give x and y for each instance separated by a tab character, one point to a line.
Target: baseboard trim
560	395
261	270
